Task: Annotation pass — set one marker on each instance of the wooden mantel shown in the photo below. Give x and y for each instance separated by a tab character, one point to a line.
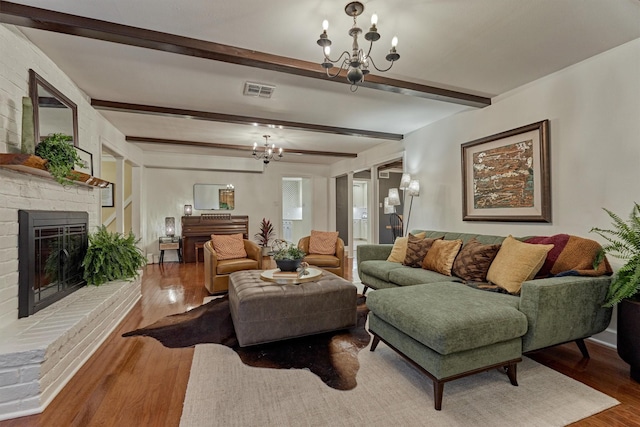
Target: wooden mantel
35	165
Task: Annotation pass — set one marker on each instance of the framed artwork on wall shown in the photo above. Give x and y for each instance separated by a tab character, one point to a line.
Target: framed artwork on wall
108	194
87	158
506	176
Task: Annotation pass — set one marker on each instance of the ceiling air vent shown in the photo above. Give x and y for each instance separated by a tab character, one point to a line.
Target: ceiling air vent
258	89
383	174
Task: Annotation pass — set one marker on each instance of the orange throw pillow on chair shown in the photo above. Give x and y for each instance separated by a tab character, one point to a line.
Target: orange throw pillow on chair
230	246
323	242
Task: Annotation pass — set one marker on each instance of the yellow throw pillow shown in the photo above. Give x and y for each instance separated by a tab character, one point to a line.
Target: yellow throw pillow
229	246
441	255
516	262
399	250
323	242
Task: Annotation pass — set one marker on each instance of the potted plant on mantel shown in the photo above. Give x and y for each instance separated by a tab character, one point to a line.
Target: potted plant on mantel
61	157
623	242
288	257
265	235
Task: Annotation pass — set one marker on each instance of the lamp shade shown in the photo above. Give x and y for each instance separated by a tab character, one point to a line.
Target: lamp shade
388	209
404	181
170	226
394	197
414	188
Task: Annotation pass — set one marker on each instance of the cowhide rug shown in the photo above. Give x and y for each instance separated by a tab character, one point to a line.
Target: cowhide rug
332	356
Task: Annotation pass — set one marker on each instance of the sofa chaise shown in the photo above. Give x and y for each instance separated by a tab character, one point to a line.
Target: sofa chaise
449	329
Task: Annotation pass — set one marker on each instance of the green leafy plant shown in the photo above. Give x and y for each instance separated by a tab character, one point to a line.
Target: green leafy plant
111	256
266	233
61	157
623	242
287	250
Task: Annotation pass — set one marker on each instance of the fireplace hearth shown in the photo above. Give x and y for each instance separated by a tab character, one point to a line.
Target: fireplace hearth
51	246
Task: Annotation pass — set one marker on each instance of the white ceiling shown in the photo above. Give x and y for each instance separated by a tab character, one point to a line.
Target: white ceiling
481	47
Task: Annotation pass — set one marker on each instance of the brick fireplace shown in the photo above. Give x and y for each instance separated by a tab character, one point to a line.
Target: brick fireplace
41	352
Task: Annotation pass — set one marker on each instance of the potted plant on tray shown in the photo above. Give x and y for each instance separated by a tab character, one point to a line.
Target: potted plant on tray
111	256
61	157
623	242
288	257
265	235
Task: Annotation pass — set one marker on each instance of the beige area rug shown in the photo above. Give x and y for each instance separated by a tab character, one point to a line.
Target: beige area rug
222	391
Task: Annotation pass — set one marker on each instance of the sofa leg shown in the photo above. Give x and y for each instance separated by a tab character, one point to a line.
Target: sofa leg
374	343
583	348
438	390
366	288
511	370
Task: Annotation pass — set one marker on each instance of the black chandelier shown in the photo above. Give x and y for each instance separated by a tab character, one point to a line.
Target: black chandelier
357	62
268	152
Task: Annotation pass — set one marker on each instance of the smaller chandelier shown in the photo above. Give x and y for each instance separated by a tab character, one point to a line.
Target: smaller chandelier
357	62
268	152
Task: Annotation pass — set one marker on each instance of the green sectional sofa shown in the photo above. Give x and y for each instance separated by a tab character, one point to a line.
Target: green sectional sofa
450	330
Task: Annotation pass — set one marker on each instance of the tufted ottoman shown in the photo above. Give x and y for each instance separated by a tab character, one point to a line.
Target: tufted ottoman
265	311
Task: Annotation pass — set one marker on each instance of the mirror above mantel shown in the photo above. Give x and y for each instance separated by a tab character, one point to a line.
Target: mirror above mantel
53	112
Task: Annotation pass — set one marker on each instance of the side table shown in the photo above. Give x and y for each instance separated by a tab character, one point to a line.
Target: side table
170	243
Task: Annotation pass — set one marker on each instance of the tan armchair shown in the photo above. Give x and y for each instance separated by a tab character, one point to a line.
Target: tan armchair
333	263
216	272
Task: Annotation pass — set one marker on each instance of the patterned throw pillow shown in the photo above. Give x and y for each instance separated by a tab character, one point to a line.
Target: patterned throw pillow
440	256
323	242
399	250
416	250
474	260
230	246
516	262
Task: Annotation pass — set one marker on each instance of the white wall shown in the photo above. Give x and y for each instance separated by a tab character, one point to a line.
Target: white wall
257	195
594	113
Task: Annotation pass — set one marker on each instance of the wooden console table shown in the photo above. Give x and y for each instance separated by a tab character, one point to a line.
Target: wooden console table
198	230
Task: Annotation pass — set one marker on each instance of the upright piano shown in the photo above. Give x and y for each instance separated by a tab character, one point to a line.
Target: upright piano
198	229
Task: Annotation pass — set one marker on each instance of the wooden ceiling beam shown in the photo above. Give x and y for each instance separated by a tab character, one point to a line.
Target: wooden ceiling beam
100	104
43	19
247	148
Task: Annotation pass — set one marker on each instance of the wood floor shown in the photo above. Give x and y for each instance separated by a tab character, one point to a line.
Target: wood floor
138	382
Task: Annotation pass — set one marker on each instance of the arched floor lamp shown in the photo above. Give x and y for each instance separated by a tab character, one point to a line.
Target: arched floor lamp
414	191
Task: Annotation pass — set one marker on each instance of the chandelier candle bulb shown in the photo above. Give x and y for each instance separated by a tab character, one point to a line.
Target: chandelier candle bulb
394	42
325	25
374	20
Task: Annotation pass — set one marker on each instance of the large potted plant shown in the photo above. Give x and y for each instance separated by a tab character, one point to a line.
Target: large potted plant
61	157
265	235
111	256
623	242
288	256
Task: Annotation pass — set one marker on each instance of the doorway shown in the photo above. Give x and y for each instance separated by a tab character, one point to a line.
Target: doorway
296	208
361	229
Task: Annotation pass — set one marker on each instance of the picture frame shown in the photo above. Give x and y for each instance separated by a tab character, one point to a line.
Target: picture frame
507	176
108	195
87	158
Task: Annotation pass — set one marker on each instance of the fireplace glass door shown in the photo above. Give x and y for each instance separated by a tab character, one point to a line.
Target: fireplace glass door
52	247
